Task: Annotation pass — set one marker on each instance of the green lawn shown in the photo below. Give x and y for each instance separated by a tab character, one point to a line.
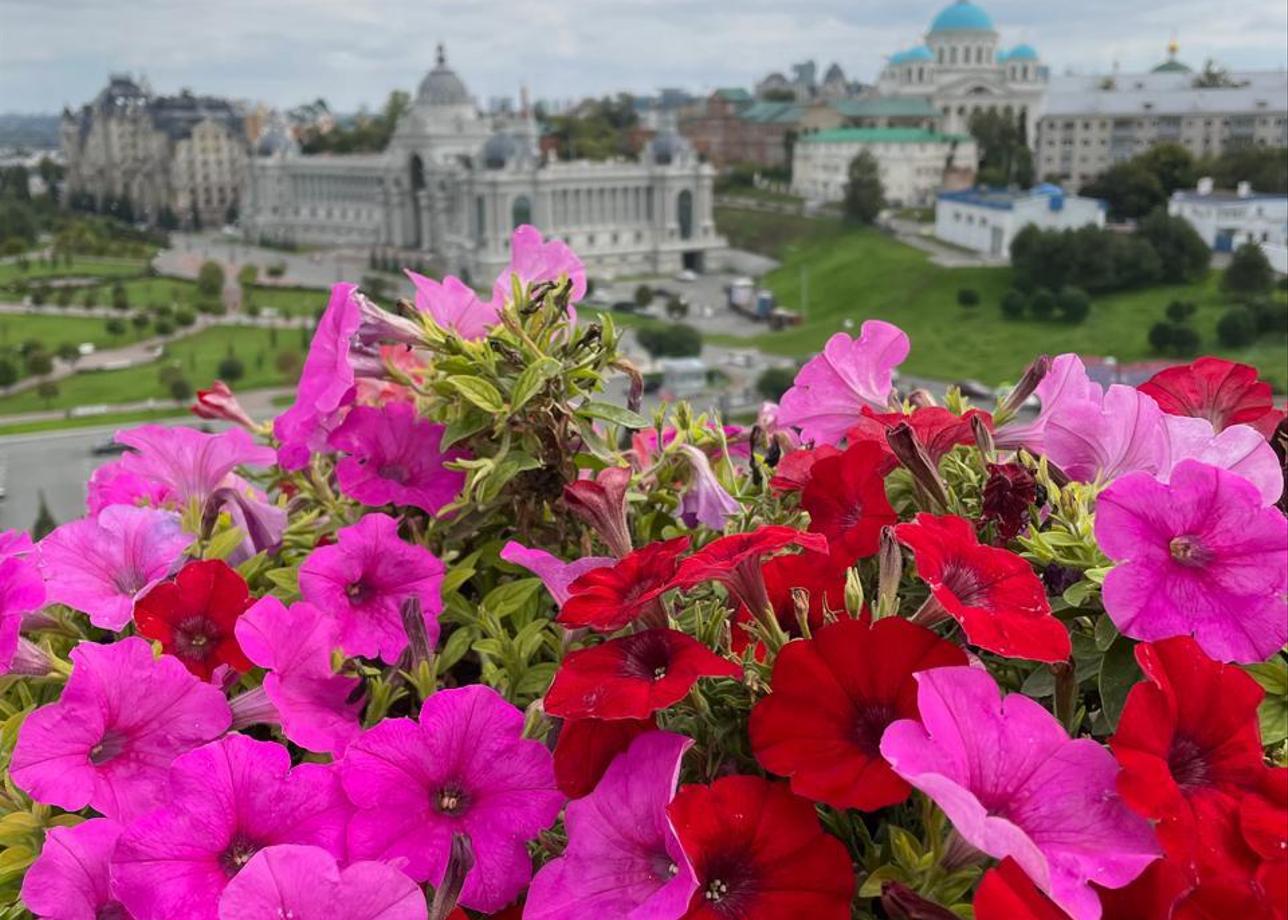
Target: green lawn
149	292
864	274
53	330
772	234
80	267
197	356
288	301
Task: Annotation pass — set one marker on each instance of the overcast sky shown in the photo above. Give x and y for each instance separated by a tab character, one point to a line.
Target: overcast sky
353	52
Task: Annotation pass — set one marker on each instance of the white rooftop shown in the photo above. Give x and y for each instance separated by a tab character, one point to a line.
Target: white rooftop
1171	93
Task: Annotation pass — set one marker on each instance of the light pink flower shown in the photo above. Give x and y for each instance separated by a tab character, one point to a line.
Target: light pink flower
705	500
188	463
1099	441
394	458
533	259
453	305
833	387
1241	449
99	565
623	858
363	579
326	384
1197	556
554	573
464	767
108	741
229	800
306	883
220	403
1065	384
69	880
1014	784
113	484
311	701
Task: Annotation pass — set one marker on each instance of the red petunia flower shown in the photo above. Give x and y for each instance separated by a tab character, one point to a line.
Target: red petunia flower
633	676
936	429
833	697
1009	491
992	593
610	597
1187	740
601	503
846	500
795	469
1007	893
193	617
813	573
1223	392
586	747
759	853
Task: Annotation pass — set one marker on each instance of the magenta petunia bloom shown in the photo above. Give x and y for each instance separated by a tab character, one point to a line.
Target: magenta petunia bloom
113	484
453	305
70	878
1014	784
108	741
1238	448
188	463
306	883
22	590
326	384
229	800
1197	556
554	573
622	859
99	565
312	702
394	458
362	581
534	259
830	391
464	767
1065	383
1098	441
705	501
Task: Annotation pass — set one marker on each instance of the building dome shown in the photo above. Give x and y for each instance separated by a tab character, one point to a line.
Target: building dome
1022	53
962	16
1172	65
276	139
500	149
920	53
441	85
668	147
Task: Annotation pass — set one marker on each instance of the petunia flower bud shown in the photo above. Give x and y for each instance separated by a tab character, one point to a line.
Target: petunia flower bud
459	864
218	402
601	503
902	903
905	446
413	620
889	573
1015	399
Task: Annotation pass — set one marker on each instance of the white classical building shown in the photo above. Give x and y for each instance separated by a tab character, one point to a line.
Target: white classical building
912	162
962	69
986	221
452	184
1226	220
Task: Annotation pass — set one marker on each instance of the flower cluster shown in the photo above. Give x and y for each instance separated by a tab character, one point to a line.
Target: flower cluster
458	636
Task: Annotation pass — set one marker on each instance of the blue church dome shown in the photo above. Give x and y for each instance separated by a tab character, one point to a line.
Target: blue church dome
1023	53
962	16
920	53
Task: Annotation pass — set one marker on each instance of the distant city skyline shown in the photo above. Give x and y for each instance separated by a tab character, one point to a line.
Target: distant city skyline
353	53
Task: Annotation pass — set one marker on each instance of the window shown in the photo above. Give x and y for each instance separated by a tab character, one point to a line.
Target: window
521	211
684	213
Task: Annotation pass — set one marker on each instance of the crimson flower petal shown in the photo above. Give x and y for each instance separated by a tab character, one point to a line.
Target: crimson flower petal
847	503
195	615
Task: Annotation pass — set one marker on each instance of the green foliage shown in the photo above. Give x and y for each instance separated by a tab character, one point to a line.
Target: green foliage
366	134
1042	304
1249	272
674	341
1073	304
643	296
773	382
1013	304
1182	254
968	297
1179	311
596	129
1004	156
210	279
1236	328
864	194
1160	336
45	523
180	389
1131	189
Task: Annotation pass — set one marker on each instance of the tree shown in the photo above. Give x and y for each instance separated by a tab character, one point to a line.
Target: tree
248	275
1012	304
180	389
967	297
140	321
68	353
1130	189
210	279
773	382
1264	168
864	194
1183	256
115	327
1178	311
677	341
1160	336
1004	156
1172	164
1249	272
1042	304
231	369
47	390
39	363
45	524
64	295
120	299
1185	341
90	299
677	308
8	373
164	327
643	296
184	318
1073	303
39	294
1237	328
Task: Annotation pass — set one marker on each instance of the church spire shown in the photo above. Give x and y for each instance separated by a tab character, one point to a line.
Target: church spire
440	55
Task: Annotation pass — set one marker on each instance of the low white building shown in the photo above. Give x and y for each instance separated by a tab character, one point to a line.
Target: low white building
912	161
986	220
1226	220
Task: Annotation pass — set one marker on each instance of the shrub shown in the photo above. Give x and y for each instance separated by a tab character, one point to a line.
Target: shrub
1042	304
1185	341
773	382
184	317
968	297
210	279
1182	254
39	363
1160	336
643	296
1272	317
678	341
115	327
1073	304
8	373
1236	328
1178	311
231	369
120	298
180	389
1013	304
164	327
677	308
1249	272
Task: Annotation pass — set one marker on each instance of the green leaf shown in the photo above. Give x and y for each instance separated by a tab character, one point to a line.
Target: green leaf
479	392
1105	633
531	381
458	429
1272	675
1273	713
876	880
608	412
222	544
506	598
905	848
286	580
1077	594
1118	674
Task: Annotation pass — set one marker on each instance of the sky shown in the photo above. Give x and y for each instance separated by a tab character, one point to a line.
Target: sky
353	52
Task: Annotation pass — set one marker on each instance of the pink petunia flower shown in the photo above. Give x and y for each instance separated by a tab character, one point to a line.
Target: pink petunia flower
306	883
108	741
188	463
394	458
554	573
219	402
326	384
1197	556
1065	383
453	305
70	878
99	565
1014	784
464	767
363	579
534	259
113	484
705	500
22	590
229	800
1098	441
1238	448
623	858
294	645
832	388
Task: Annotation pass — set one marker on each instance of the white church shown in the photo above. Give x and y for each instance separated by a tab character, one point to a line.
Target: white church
453	183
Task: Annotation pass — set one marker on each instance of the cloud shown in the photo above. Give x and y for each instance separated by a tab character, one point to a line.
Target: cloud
353	52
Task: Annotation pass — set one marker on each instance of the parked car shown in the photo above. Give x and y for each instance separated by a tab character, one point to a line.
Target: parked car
107	447
687	275
974	389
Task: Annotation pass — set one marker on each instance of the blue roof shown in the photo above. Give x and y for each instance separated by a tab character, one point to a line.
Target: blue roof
962	16
1022	53
920	53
